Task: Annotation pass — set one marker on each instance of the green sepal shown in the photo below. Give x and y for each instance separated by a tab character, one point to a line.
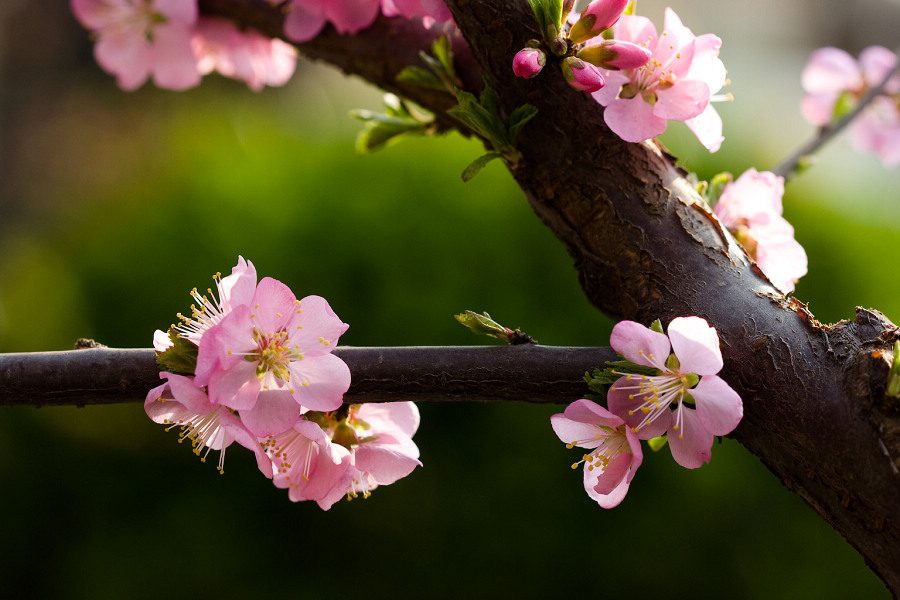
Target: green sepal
549	15
893	381
180	358
626	366
657	327
844	105
716	186
656	444
630	8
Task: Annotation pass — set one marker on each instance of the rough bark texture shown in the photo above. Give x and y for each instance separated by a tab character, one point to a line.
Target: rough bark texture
646	247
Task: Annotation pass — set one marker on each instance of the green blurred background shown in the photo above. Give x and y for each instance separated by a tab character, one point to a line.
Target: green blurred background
115	204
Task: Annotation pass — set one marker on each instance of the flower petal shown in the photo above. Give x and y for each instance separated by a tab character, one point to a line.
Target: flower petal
639	344
718	406
696	345
633	119
691	444
275	411
320	382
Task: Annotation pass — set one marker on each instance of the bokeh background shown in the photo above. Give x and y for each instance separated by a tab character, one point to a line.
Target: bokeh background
115	204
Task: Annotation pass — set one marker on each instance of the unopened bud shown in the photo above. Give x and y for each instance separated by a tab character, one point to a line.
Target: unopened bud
615	55
528	62
582	75
596	18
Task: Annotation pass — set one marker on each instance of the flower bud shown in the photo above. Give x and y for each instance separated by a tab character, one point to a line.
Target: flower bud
582	75
615	55
599	16
528	62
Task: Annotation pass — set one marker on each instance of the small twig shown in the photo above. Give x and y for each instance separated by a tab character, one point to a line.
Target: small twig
525	372
787	168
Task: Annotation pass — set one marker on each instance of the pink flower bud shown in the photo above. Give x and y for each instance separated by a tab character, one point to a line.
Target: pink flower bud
528	62
599	16
582	75
615	55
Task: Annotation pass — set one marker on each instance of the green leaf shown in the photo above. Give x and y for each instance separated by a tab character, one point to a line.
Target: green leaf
378	134
180	358
420	76
483	324
518	118
478	164
443	51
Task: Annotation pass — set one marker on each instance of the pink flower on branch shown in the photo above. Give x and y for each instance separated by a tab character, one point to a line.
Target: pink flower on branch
657	404
582	75
750	208
245	55
615	452
271	359
137	39
208	426
677	84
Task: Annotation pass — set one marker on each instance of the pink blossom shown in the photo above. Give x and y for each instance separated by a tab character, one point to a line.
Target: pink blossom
750	208
138	39
615	450
581	75
245	55
309	465
597	17
381	444
430	10
180	403
676	84
306	18
528	62
271	359
656	404
235	289
835	82
327	456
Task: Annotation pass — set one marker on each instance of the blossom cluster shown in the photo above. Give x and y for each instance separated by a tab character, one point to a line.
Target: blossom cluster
644	79
168	41
834	84
750	207
306	18
667	385
252	364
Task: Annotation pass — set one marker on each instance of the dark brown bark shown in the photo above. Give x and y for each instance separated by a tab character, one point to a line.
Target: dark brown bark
646	247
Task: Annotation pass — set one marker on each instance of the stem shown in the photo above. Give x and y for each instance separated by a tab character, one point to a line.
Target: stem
788	167
528	372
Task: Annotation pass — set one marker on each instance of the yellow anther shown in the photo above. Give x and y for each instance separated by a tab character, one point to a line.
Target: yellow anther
574	465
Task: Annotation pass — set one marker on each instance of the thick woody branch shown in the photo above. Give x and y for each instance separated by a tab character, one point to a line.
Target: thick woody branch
529	373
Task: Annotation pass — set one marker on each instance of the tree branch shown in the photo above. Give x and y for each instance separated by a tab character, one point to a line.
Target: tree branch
646	246
527	372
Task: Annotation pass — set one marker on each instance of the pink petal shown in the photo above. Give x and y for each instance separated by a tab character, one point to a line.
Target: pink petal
684	100
876	62
614	474
303	23
575	432
718	406
587	411
239	287
320	382
691	445
275	411
314	327
614	82
831	70
696	345
174	66
350	16
272	306
639	344
610	500
237	388
185	392
707	126
633	119
385	462
402	417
